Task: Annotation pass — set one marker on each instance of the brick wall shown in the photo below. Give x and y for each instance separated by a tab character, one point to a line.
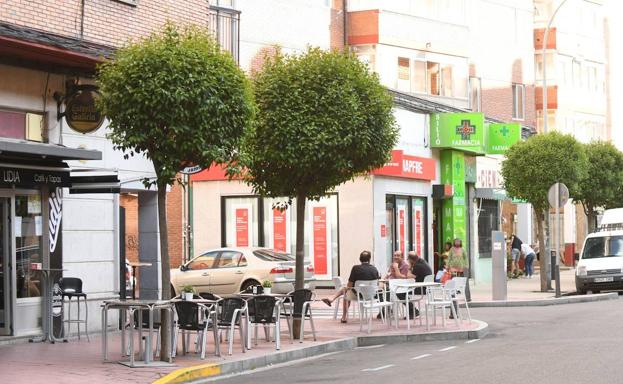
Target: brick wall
107	22
337	24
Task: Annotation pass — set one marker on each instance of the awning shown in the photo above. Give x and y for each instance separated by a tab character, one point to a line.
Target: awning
94	181
20	149
491	194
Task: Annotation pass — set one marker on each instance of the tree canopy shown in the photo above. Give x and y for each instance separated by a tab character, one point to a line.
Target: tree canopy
323	118
602	185
532	166
176	98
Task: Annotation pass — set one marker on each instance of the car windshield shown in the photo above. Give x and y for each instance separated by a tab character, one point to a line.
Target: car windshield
270	255
607	246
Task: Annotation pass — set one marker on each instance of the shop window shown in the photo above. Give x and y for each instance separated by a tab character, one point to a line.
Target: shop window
488	220
21	125
241	222
406	225
28	231
519	99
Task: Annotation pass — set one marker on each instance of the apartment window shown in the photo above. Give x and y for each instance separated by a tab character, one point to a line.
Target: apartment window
419	76
403	83
446	80
21	125
519	99
576	70
433	78
224	23
475	97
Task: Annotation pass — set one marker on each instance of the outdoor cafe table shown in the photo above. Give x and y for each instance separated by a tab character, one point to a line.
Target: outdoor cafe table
132	306
412	285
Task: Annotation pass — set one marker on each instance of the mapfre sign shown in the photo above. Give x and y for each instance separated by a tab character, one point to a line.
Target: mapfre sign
407	166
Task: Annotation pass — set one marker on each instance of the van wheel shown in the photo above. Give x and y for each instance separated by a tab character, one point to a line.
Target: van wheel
249	283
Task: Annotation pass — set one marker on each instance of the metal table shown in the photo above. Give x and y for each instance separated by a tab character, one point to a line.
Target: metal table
48	316
131	306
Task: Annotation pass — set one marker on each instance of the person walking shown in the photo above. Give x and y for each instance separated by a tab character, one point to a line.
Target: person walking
457	258
515	254
530	256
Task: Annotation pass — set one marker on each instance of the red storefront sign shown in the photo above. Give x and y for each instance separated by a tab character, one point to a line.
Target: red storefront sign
320	240
279	230
242	227
383	230
407	166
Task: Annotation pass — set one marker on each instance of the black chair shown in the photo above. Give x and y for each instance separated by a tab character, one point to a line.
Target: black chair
298	306
229	313
262	314
194	317
72	287
209	296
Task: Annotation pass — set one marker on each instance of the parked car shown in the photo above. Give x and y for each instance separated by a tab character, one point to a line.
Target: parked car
226	271
601	263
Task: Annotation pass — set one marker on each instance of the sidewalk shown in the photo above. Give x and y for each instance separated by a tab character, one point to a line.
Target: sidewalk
81	361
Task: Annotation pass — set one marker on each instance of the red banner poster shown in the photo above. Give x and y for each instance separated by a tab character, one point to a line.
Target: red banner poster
383	230
401	226
418	232
242	227
320	240
279	231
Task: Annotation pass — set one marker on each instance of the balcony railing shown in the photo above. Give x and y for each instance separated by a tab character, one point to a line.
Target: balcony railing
225	25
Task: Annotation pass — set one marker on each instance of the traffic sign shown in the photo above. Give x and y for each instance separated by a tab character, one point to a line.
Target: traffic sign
563	195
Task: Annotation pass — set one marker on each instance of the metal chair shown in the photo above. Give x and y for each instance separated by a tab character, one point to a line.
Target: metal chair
72	287
298	306
191	316
458	296
339	285
439	297
409	299
262	314
229	313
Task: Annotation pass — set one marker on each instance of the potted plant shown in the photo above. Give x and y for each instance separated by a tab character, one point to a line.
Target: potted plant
267	285
187	292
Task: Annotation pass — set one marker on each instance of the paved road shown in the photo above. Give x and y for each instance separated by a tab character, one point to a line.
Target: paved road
575	343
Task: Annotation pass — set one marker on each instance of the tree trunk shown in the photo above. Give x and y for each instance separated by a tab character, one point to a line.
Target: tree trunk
299	282
542	250
165	330
591	217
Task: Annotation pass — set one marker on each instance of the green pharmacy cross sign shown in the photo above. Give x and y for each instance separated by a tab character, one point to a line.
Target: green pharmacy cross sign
466	130
500	137
461	131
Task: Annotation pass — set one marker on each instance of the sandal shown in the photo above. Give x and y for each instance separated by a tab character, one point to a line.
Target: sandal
343	321
327	302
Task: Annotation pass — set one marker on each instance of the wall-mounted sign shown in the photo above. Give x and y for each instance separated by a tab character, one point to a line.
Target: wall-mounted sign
407	166
191	170
80	111
500	137
32	177
462	131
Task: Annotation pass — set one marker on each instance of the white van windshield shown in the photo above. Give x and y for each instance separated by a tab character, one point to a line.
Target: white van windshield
607	246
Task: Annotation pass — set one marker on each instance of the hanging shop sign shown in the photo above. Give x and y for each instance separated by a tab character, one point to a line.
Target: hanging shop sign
500	137
462	131
407	166
81	112
22	177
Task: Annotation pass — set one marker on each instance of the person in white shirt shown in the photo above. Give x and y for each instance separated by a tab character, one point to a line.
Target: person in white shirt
530	256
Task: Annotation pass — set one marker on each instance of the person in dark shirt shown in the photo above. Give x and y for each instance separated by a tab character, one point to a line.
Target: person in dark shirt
515	254
419	267
363	271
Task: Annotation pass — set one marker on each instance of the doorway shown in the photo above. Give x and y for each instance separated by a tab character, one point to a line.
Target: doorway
5	267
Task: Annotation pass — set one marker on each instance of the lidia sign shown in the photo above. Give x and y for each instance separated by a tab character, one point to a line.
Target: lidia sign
407	166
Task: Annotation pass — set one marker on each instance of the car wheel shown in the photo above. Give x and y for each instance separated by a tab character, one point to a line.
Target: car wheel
249	283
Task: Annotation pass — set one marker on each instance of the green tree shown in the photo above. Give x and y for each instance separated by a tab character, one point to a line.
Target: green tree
323	118
178	100
530	169
602	186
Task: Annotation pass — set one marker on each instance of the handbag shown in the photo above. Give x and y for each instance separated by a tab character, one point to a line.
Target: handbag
446	276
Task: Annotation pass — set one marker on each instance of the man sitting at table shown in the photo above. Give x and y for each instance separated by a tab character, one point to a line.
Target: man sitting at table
399	268
419	267
363	271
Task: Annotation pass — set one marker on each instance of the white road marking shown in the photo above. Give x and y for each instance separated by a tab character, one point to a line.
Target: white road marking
377	369
447	349
372	346
421	356
472	341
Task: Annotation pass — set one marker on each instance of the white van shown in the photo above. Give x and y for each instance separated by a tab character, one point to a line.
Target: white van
601	263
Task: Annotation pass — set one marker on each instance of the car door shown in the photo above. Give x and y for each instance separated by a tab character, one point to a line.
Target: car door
228	272
197	272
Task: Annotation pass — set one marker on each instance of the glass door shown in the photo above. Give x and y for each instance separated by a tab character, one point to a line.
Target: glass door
5	267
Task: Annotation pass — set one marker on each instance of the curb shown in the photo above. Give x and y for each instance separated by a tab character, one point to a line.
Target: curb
545	302
205	371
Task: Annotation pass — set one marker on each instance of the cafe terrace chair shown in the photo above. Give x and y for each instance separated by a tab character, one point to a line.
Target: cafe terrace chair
412	299
339	284
262	314
72	287
193	317
439	298
229	316
298	305
458	296
368	301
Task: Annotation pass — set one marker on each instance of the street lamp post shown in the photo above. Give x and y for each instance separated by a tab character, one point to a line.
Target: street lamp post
544	60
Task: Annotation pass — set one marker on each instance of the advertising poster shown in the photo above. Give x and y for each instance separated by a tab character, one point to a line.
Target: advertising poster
242	227
418	227
280	235
319	230
401	230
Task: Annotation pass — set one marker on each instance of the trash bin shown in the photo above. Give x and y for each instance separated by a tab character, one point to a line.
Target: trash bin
552	265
